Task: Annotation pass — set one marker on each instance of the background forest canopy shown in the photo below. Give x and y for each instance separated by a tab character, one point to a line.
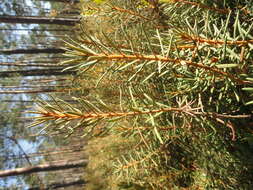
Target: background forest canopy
31	35
162	90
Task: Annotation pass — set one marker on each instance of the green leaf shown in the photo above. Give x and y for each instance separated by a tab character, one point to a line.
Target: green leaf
148	77
249	79
223	66
249	103
128	64
36	123
158	135
247	89
237	96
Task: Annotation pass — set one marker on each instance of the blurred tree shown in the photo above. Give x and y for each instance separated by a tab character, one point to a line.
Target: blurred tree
28	34
60	165
38	20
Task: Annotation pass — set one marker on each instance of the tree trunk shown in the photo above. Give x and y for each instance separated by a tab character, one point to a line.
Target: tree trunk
35	29
39	20
79	182
33	91
35	72
44	167
29	64
33	86
31	51
63	1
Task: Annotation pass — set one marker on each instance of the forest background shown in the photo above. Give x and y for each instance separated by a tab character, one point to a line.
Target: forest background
31	33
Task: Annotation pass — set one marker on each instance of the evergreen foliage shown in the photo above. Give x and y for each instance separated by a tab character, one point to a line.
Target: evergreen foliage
167	94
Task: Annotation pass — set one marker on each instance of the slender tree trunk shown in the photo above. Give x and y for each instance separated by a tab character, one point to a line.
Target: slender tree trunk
27	64
33	91
50	36
34	86
63	1
35	72
39	20
36	30
45	80
44	167
33	101
79	182
38	61
31	51
53	58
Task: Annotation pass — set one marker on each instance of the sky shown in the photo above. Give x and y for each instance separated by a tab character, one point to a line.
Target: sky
27	146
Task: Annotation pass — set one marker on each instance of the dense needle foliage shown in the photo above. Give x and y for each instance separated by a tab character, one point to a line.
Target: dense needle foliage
164	94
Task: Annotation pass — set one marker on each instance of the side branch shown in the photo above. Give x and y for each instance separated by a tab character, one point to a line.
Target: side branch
72	116
162	59
215	42
200	5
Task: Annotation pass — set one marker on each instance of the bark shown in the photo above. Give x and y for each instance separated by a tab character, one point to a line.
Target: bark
79	182
33	91
45	80
37	61
35	72
33	101
39	20
58	57
50	36
27	64
31	51
34	29
63	165
34	86
63	1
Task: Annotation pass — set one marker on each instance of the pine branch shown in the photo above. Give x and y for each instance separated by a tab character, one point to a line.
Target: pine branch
113	57
200	5
54	115
186	37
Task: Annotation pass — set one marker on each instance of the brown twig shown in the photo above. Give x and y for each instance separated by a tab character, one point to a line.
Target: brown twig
58	115
130	12
226	116
215	42
200	5
229	125
218	117
162	59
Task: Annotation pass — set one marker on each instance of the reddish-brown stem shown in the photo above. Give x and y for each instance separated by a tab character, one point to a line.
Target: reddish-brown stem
130	12
68	116
223	11
229	125
165	59
215	42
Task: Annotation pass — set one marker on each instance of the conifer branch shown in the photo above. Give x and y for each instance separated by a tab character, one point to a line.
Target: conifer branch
141	57
215	42
54	114
200	5
130	12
